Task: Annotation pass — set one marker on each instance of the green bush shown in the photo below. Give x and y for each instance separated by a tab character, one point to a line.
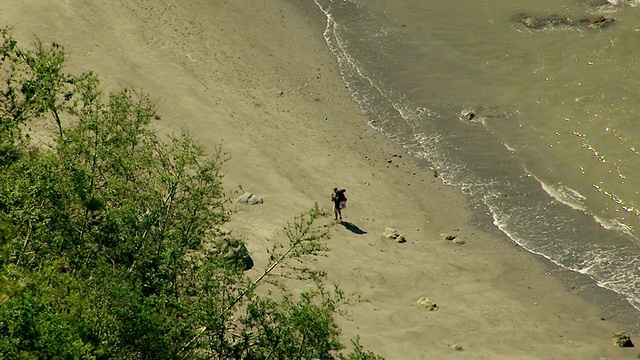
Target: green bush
103	236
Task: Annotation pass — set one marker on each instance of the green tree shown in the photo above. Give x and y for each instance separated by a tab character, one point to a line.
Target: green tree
34	85
110	241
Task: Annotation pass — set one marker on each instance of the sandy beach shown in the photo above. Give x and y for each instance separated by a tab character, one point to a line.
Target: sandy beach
257	78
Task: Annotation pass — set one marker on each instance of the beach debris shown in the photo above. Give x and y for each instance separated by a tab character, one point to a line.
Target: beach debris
457	347
622	339
427	304
394	235
250	199
446	236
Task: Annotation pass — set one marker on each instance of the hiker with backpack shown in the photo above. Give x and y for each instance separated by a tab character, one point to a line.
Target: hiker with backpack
339	202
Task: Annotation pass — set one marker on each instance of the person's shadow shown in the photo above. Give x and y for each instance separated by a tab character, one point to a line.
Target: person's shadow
352	227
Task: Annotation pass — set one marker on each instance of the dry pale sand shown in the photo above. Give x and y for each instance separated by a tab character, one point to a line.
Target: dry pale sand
256	77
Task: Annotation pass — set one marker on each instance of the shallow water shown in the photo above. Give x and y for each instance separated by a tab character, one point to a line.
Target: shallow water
553	149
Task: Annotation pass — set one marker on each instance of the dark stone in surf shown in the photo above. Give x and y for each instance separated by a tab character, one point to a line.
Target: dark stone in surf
597	22
540	23
557	21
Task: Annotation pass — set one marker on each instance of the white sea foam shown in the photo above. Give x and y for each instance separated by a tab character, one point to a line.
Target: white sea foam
564	194
614	225
598	264
509	147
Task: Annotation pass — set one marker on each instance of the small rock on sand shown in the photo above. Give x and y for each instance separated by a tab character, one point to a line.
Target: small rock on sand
447	236
393	234
622	339
233	249
427	304
249	198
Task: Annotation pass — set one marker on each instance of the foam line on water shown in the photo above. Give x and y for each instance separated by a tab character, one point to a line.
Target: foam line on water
570	197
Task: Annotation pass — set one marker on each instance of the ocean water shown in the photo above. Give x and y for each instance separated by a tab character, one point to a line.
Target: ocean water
552	152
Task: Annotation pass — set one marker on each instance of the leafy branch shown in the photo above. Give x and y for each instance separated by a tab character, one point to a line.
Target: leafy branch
304	240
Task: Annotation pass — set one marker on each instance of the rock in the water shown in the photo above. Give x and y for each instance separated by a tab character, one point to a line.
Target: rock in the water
532	22
467	114
622	339
249	198
598	21
427	304
540	23
557	21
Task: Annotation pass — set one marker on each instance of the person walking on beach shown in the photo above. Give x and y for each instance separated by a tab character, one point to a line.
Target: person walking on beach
339	202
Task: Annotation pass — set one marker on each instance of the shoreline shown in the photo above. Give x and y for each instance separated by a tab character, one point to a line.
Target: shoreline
615	304
271	93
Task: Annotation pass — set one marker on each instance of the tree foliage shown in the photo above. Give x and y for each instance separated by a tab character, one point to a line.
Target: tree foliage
108	239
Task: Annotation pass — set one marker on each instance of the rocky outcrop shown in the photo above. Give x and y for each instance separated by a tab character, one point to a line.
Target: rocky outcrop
597	22
622	339
232	249
556	21
540	23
